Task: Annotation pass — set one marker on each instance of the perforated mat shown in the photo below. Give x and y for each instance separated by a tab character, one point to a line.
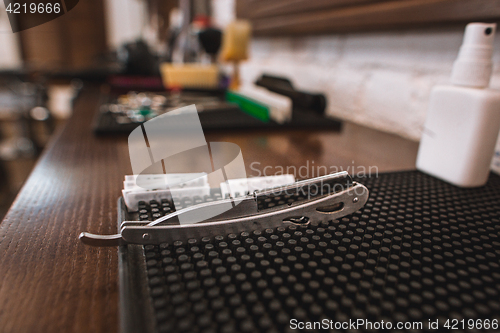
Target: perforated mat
420	249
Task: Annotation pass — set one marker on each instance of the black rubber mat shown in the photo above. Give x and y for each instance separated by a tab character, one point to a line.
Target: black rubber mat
419	250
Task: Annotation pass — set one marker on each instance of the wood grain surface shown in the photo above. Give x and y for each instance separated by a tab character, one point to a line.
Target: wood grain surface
50	282
300	17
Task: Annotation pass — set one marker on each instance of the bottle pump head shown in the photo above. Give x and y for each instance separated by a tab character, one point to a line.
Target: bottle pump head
473	66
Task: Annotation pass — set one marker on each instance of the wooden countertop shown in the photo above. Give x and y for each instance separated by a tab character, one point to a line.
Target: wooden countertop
50	282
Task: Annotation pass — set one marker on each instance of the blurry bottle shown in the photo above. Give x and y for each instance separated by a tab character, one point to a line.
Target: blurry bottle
181	50
463	119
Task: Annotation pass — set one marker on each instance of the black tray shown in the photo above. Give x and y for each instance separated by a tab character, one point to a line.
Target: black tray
232	119
420	249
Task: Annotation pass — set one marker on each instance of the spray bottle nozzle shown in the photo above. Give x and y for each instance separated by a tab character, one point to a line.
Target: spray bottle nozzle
473	66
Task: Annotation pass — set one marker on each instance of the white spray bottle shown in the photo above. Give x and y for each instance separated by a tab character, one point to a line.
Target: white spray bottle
463	119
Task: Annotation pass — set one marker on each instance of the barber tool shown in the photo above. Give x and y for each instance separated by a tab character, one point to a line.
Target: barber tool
210	39
300	99
328	197
235	45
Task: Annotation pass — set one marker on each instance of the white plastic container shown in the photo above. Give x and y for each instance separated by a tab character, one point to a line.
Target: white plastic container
463	119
